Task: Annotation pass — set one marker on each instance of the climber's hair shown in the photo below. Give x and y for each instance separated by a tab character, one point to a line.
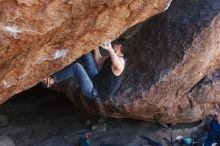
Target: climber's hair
123	42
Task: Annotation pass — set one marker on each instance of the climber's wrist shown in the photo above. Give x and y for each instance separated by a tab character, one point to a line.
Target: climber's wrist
110	50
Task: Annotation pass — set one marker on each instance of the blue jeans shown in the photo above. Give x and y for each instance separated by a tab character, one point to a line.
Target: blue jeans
83	76
214	132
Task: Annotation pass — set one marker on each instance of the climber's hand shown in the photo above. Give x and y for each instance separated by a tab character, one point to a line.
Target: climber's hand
107	45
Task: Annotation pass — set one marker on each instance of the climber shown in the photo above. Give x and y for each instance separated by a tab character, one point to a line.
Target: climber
214	130
103	83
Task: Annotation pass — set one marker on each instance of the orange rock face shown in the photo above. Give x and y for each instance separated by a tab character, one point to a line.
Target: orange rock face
172	74
39	37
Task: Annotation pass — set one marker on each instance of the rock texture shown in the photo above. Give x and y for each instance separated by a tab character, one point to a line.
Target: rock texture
39	37
32	112
172	72
170	56
207	90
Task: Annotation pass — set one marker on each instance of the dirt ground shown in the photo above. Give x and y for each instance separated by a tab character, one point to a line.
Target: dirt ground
40	117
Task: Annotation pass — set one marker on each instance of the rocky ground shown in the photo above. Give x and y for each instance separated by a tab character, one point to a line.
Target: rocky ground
39	117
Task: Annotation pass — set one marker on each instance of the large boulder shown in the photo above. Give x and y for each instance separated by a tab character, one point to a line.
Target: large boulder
170	56
38	37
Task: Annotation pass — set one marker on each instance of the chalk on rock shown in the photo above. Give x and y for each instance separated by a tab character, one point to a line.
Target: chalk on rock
3	120
6	141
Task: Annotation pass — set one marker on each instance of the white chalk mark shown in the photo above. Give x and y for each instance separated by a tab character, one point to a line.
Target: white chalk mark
59	53
12	29
41	59
6	84
15	30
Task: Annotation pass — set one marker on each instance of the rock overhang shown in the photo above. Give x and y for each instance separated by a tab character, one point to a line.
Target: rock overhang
41	37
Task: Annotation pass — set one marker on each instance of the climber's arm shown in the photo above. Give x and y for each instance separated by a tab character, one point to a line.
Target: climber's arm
99	59
117	62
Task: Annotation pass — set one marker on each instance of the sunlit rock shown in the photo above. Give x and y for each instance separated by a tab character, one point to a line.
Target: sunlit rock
38	37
